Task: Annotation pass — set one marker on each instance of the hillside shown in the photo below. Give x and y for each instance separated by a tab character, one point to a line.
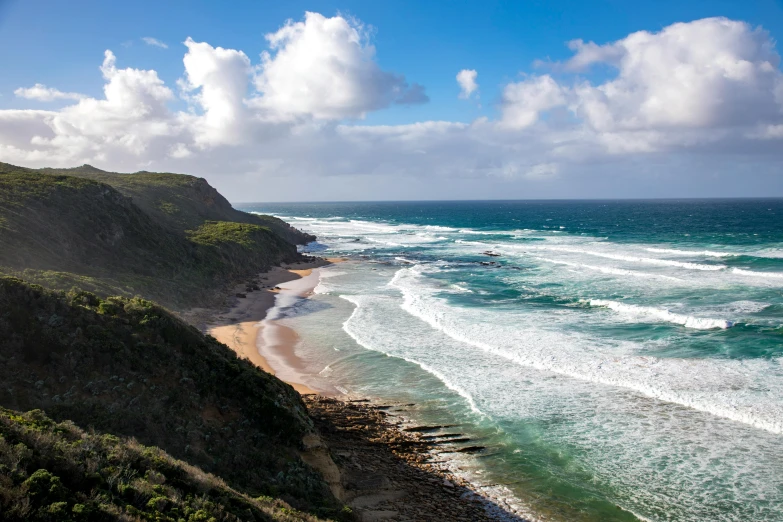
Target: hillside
180	201
169	237
56	471
129	368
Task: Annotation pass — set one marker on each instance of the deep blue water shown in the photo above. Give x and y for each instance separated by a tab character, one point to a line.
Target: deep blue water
622	358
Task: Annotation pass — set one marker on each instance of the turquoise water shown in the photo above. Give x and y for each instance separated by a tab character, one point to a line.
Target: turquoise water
620	360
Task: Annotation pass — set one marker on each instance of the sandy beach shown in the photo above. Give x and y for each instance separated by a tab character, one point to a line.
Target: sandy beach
247	329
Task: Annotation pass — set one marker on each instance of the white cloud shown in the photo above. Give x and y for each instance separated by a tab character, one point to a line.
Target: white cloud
691	94
703	74
219	78
122	127
466	79
590	53
41	92
523	102
689	85
154	42
325	68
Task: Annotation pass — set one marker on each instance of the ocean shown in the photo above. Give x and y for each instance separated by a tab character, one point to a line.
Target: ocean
620	360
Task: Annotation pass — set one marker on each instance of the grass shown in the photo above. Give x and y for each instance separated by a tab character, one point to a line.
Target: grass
17	187
168	207
214	233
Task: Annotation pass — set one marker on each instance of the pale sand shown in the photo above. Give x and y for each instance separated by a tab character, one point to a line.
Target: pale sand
241	326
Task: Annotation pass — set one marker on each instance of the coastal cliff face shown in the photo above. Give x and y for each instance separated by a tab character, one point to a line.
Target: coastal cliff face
169	237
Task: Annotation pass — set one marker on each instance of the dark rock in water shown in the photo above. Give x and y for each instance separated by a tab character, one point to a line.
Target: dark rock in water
442	436
491	253
425	429
472	449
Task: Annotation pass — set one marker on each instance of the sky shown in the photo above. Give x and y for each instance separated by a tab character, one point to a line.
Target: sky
404	100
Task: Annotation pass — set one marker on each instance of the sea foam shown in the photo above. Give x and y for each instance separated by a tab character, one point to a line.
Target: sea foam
721	387
688	321
704	253
359	302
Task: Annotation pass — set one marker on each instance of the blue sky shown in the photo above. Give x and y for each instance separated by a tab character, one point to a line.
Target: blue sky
62	45
426	40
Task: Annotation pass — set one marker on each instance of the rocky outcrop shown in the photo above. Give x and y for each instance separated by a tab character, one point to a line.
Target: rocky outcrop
385	473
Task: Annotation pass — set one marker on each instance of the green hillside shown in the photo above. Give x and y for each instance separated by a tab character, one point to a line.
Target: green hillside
129	368
168	237
57	472
180	201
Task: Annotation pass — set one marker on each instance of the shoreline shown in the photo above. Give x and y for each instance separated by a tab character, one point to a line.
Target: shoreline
246	328
412	473
386	468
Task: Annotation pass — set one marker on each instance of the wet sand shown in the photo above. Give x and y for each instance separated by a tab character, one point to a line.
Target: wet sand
246	329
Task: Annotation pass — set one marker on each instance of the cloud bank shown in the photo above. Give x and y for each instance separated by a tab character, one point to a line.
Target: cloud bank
698	102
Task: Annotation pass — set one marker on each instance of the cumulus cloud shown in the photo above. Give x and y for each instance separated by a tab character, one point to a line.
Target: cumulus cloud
154	42
524	101
466	79
689	84
706	90
119	128
218	79
325	68
707	73
41	92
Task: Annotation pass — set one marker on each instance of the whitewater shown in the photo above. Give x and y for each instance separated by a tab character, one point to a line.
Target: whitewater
620	360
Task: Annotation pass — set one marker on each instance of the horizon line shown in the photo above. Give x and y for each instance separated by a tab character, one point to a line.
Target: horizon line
652	199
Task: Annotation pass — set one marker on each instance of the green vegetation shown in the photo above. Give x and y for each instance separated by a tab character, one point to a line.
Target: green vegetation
168	208
57	472
129	368
217	232
169	237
